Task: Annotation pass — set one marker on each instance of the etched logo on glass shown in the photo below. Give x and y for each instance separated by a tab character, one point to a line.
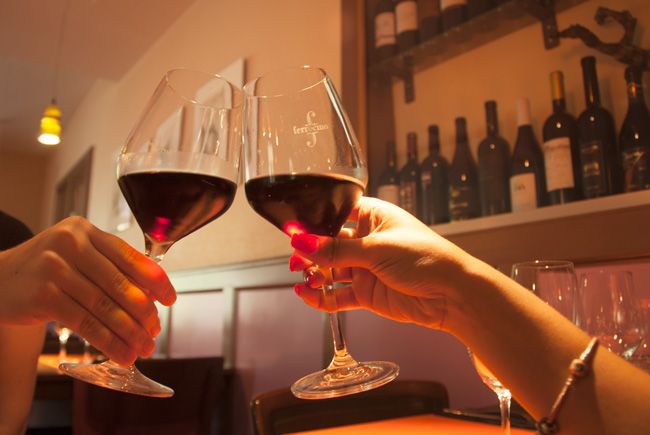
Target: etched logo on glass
311	128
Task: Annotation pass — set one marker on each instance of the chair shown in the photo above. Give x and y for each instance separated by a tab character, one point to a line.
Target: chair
197	383
278	412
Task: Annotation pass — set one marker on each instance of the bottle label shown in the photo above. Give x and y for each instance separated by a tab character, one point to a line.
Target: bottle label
523	192
635	169
460	199
446	4
558	164
406	16
389	192
408	196
425	177
594	171
384	29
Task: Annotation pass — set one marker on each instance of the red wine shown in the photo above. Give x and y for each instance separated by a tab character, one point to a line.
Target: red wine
463	178
406	24
560	147
493	166
434	180
388	185
170	205
385	39
599	156
634	137
304	203
410	189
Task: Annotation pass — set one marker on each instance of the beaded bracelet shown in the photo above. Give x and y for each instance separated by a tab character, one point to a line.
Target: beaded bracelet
579	368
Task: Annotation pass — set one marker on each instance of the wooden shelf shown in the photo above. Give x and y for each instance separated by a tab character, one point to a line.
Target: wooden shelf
582	209
480	30
602	229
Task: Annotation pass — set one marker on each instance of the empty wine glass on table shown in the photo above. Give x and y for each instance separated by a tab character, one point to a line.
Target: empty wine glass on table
178	171
304	173
553	281
607	307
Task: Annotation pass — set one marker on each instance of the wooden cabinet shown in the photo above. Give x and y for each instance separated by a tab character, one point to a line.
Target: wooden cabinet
604	229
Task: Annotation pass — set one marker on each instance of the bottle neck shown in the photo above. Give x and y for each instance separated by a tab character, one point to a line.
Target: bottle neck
491	121
434	144
592	91
635	93
559	105
391	156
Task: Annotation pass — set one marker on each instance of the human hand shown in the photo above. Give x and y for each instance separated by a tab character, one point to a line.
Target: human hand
90	280
395	265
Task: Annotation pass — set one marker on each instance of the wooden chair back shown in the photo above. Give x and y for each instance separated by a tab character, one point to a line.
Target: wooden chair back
279	412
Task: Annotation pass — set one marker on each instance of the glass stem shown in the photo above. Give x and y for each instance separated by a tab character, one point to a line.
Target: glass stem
341	356
504	406
154	250
63	354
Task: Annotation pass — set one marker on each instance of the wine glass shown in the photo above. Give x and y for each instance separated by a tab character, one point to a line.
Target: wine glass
503	394
178	171
553	281
608	308
304	173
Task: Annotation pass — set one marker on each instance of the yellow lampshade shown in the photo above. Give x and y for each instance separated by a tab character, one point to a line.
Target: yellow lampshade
51	125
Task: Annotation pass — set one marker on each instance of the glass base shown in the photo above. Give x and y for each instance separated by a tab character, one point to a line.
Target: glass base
336	382
113	376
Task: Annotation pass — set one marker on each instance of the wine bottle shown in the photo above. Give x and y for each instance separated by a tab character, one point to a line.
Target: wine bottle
388	183
452	13
463	178
385	40
406	24
561	152
435	182
634	137
599	164
409	178
527	183
429	12
477	7
493	166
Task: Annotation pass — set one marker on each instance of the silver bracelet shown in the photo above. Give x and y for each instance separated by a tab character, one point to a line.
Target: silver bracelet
579	368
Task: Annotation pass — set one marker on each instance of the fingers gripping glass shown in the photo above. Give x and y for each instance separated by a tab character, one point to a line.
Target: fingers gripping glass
304	174
178	171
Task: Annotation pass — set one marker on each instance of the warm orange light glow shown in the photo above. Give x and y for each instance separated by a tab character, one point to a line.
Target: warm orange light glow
51	125
293	227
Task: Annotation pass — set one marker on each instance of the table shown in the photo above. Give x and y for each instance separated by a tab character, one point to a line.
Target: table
428	424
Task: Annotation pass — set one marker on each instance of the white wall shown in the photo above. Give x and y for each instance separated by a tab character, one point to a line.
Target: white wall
208	36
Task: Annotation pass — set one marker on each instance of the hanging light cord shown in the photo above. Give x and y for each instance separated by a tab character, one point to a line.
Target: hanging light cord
59	48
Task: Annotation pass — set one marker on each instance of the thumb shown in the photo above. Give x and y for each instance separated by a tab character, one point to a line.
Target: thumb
332	252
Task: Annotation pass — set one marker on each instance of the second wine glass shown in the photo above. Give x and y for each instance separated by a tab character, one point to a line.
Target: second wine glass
178	171
304	173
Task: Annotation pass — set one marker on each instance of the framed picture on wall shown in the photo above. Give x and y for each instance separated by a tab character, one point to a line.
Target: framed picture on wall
73	190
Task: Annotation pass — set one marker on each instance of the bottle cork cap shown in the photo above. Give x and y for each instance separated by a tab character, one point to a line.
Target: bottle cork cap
557	85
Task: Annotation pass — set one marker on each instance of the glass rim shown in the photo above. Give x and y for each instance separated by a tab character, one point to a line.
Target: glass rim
545	264
247	86
167	78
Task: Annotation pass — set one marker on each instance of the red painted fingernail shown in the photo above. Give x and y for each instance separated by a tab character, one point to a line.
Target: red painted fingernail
307	243
296	263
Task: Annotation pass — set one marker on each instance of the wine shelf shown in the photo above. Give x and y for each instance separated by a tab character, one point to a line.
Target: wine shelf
480	30
600	229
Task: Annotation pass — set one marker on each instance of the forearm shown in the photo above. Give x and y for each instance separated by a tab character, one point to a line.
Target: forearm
529	347
21	346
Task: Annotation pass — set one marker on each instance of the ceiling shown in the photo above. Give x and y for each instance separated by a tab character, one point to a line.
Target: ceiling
101	39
